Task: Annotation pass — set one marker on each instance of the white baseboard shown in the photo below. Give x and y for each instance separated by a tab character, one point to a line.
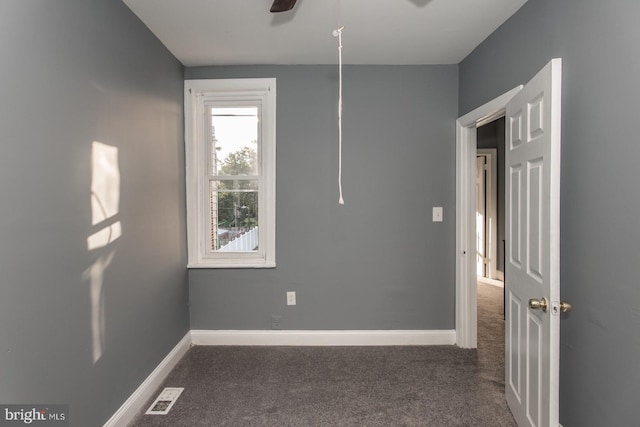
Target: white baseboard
134	403
323	338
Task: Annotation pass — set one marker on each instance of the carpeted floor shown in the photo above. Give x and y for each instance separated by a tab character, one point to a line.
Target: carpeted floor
345	386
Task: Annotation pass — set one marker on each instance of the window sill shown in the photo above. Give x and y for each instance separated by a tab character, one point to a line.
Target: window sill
231	265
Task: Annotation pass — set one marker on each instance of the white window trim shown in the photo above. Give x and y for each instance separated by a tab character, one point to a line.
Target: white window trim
196	93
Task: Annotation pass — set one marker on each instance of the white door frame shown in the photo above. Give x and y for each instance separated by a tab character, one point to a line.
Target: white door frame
466	281
491	210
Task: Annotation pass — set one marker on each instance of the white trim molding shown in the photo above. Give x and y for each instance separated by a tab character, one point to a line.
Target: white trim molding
135	402
324	338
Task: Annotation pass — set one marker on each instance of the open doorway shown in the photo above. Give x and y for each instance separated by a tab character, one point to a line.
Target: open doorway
486	213
466	278
490	219
490	239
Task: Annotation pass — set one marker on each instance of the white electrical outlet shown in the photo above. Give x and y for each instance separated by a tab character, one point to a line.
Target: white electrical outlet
165	400
291	298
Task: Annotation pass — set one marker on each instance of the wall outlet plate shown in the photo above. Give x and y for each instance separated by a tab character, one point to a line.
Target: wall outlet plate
291	298
165	400
275	322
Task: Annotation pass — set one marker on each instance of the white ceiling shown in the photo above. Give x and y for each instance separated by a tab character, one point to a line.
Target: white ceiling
223	32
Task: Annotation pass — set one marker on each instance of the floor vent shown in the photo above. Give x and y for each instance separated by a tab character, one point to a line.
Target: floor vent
165	400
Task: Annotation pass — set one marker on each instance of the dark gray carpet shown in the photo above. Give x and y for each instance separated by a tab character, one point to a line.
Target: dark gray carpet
345	386
491	333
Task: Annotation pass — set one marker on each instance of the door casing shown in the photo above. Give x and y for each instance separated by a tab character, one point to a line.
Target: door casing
491	210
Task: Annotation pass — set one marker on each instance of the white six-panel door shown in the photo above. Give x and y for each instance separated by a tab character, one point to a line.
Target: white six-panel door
533	249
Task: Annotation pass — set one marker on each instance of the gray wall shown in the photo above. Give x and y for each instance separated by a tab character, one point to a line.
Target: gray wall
378	262
74	72
600	235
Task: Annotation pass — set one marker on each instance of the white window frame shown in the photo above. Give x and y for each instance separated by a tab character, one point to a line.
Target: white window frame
197	93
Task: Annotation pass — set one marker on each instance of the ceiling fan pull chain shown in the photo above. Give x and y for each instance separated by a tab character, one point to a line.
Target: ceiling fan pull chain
338	33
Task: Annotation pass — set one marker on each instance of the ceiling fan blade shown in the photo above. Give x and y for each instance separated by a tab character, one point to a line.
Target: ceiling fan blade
282	5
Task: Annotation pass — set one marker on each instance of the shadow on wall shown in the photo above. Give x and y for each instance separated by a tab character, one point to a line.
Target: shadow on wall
105	206
420	3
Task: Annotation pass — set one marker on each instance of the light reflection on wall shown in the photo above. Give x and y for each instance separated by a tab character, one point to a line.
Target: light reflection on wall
95	275
105	205
105	194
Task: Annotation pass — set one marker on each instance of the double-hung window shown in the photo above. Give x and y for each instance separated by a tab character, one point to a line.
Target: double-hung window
230	155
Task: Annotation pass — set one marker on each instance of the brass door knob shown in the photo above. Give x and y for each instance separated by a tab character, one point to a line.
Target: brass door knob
565	307
539	304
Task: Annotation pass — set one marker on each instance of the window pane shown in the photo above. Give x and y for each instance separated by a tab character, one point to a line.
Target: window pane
234	215
234	140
